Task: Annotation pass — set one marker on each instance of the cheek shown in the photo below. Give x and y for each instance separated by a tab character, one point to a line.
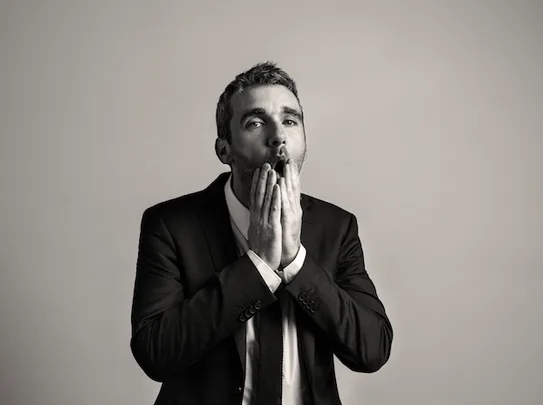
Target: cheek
246	158
251	149
299	143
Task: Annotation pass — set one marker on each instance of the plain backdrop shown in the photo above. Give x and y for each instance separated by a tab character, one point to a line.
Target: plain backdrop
424	119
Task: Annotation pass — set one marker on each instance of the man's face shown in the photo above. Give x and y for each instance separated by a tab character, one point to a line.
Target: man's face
266	126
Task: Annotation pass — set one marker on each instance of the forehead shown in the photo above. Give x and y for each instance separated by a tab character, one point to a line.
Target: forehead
271	98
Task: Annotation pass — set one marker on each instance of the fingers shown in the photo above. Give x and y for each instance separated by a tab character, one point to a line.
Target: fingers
285	199
296	183
254	185
270	187
297	187
288	178
275	210
260	190
292	182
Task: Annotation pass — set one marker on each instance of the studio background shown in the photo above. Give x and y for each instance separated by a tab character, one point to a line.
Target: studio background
423	119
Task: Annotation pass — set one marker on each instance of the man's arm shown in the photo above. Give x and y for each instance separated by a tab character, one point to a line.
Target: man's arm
171	331
346	309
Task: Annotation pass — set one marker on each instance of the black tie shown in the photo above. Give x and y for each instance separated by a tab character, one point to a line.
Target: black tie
269	368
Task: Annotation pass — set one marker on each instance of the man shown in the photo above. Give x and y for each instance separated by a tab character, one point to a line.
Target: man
245	290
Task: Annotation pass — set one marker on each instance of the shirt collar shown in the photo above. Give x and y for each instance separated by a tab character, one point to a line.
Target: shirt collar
239	214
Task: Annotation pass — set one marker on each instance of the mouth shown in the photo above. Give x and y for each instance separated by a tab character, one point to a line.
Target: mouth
279	167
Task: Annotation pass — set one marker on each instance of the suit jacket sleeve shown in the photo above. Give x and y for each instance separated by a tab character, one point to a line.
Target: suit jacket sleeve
344	305
171	331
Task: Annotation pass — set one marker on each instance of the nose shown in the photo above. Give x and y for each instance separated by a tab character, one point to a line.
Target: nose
276	135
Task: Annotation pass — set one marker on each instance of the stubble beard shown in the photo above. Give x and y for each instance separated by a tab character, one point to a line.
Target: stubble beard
242	173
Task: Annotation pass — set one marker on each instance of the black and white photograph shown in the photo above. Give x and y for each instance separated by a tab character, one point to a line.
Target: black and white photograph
271	203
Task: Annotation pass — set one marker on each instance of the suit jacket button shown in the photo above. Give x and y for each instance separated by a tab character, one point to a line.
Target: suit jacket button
258	304
312	310
252	310
242	318
248	313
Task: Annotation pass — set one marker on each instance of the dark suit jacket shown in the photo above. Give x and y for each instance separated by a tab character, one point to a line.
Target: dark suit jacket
192	292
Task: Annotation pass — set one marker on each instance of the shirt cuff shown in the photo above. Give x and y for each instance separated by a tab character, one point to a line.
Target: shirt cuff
270	277
293	268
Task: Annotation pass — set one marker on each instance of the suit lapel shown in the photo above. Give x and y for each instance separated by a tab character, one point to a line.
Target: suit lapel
215	219
306	340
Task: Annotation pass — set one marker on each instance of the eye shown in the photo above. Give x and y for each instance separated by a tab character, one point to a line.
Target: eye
289	122
253	124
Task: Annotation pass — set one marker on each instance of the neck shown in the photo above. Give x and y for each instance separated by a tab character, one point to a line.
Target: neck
241	191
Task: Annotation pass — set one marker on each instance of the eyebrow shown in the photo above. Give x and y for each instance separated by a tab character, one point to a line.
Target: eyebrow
252	112
260	112
293	112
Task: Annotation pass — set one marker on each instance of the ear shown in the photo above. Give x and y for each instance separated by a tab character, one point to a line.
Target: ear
222	150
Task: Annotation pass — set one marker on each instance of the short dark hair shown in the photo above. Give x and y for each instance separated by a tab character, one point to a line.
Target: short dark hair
261	74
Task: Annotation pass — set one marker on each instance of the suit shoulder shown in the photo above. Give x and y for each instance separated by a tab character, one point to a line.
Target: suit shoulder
327	208
184	204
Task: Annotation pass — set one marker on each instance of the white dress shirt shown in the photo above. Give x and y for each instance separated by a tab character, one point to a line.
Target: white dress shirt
292	390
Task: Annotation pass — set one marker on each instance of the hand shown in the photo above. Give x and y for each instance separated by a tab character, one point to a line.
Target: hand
265	216
291	214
